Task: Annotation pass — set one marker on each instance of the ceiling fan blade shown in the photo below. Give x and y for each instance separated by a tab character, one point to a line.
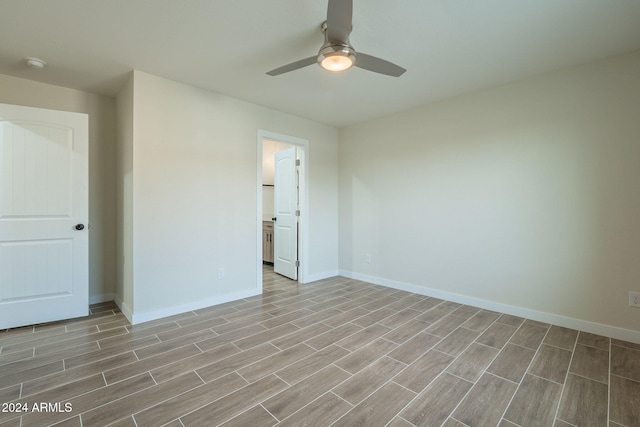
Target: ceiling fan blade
378	65
293	66
339	18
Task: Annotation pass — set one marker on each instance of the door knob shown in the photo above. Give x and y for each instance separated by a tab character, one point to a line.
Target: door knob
80	227
274	219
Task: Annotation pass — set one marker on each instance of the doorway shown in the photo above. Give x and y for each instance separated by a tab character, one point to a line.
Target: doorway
291	253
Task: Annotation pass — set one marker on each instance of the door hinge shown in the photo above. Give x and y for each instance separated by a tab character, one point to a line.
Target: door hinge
297	212
297	263
297	162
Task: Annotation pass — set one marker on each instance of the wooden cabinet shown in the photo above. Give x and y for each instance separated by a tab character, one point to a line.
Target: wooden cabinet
267	241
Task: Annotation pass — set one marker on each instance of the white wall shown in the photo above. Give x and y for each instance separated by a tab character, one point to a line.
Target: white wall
124	173
524	197
102	177
194	195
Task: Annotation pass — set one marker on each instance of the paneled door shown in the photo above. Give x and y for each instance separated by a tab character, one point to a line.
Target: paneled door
44	239
285	246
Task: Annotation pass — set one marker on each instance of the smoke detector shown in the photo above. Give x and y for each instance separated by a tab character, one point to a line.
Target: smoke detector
36	63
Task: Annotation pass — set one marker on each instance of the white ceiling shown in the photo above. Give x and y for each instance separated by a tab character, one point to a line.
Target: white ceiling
449	47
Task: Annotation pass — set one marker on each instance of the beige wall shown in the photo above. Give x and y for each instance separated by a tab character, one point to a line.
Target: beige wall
102	178
124	173
524	197
194	195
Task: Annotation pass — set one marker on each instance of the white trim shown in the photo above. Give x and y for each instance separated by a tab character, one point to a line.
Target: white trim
178	309
123	308
320	276
303	235
95	299
555	319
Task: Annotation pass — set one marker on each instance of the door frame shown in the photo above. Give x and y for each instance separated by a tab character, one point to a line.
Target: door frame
303	225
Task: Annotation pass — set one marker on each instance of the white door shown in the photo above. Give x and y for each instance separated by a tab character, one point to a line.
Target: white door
43	215
285	207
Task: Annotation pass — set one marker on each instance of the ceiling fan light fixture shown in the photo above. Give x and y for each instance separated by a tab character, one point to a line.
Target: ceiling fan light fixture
336	58
336	53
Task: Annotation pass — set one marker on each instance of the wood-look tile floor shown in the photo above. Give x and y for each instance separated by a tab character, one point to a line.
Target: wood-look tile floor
337	352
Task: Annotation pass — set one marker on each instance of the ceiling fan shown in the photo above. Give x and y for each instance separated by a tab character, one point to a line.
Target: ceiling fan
336	53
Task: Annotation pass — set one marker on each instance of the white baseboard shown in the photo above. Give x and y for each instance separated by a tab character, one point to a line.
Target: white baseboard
136	318
95	299
123	308
321	276
555	319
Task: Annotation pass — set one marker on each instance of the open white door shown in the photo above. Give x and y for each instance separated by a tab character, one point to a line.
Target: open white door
285	206
43	215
